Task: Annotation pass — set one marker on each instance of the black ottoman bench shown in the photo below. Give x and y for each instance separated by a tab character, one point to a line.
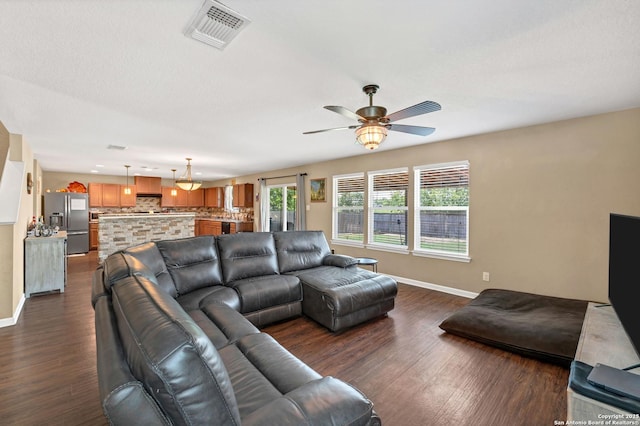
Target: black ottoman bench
340	298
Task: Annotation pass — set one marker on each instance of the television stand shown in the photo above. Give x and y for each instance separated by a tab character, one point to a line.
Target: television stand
603	340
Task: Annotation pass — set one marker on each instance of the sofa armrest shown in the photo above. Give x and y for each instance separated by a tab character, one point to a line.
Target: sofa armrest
339	260
325	401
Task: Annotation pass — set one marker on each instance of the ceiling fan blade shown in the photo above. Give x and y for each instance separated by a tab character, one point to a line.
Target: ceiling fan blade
344	112
328	130
414	130
421	108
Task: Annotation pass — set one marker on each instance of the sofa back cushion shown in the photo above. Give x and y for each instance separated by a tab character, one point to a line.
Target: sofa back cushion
192	262
120	265
246	255
172	356
300	249
149	254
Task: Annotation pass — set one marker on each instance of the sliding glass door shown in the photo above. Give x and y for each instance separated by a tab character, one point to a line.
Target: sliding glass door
282	207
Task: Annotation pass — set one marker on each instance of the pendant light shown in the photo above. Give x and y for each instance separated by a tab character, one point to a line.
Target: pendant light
127	189
174	190
185	182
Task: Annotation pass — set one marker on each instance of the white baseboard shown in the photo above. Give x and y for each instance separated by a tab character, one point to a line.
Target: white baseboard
436	287
6	322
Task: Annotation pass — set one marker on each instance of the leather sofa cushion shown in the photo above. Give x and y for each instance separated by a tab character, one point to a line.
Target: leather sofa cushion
120	265
192	262
219	294
245	255
261	371
264	292
300	249
222	324
171	355
149	254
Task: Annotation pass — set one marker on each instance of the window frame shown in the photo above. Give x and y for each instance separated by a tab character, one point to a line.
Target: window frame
371	210
418	209
335	239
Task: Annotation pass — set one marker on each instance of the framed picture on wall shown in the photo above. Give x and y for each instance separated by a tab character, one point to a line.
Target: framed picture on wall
318	190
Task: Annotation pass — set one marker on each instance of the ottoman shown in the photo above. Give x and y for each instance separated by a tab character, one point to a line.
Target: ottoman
339	298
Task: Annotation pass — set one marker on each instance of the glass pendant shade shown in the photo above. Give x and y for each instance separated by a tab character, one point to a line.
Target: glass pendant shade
371	136
185	182
174	190
127	188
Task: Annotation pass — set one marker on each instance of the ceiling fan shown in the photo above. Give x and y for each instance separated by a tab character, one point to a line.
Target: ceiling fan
374	121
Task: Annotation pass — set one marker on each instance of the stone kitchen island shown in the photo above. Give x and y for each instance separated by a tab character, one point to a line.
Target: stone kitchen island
119	231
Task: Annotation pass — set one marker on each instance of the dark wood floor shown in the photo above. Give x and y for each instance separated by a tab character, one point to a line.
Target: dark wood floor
414	373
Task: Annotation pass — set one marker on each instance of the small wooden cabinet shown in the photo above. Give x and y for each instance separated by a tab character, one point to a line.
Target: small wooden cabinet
148	185
167	199
243	195
93	236
128	200
110	195
214	197
195	198
95	194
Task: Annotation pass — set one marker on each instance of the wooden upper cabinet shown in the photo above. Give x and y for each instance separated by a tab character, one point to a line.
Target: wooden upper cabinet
195	198
148	185
214	197
243	195
95	195
110	195
182	199
128	200
167	199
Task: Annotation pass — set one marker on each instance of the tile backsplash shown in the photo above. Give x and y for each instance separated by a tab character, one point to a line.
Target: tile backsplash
146	204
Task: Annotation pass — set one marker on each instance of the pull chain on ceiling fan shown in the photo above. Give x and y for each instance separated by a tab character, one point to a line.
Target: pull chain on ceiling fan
374	121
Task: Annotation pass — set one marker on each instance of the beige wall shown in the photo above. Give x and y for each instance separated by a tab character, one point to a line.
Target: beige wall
12	236
540	199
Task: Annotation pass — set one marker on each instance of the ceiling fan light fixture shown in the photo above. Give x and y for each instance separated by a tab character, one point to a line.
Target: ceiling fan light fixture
371	136
185	182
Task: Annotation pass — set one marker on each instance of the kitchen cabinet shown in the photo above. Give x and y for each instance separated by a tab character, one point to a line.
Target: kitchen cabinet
214	197
95	194
148	185
110	195
167	199
182	199
128	200
93	236
243	195
195	198
45	263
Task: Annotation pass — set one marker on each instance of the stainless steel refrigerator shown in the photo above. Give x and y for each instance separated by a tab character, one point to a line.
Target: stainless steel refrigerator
70	212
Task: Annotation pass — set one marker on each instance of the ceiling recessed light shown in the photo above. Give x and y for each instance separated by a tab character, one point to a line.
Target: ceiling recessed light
94	171
99	165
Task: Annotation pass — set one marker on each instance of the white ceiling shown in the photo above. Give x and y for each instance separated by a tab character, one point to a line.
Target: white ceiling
77	76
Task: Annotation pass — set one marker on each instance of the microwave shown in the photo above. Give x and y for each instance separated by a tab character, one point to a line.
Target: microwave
94	215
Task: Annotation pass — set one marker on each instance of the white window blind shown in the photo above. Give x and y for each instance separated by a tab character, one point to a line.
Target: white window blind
348	208
388	208
442	209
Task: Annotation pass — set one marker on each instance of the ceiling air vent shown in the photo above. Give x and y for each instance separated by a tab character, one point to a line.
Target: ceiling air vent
215	24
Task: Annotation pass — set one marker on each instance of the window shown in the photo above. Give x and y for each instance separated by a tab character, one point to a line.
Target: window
442	210
282	207
388	208
348	208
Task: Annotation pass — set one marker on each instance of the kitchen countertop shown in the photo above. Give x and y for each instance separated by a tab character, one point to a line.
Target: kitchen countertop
214	219
109	216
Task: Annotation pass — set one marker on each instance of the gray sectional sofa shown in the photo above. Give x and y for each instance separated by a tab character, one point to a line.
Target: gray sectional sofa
178	339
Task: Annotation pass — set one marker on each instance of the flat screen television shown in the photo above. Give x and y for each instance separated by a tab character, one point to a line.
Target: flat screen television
624	273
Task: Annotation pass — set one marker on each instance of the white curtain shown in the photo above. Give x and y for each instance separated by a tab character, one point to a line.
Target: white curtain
264	206
228	198
301	203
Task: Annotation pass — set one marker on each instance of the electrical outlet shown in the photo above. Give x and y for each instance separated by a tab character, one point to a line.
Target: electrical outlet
485	276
